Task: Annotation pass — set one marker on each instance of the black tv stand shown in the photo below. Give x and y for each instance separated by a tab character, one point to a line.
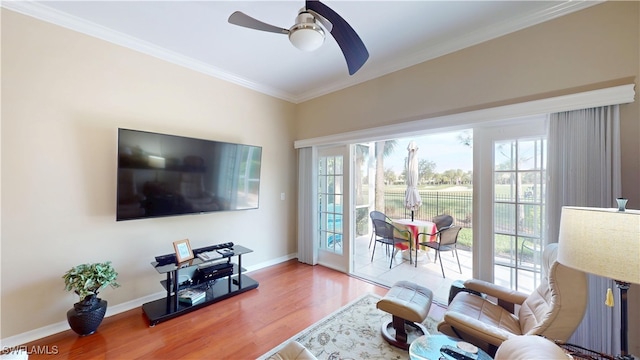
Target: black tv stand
217	290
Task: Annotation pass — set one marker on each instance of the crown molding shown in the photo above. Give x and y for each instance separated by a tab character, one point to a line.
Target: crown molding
467	40
45	13
50	15
493	31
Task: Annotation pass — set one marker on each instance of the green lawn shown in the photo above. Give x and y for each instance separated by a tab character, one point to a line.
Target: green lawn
456	203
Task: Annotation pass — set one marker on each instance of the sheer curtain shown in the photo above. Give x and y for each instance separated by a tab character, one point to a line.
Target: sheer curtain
584	170
307	252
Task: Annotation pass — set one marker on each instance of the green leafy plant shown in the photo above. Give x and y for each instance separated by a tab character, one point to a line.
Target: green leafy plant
89	279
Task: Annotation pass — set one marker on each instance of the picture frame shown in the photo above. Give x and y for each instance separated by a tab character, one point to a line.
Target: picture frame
183	250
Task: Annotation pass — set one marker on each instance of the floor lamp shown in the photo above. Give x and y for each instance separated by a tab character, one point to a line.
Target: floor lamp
603	242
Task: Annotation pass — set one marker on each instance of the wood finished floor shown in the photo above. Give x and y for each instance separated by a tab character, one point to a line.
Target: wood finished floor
291	297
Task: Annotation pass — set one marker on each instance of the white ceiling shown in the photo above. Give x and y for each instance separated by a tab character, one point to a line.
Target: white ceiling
196	34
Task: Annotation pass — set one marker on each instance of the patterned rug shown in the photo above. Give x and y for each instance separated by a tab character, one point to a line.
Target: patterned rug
352	332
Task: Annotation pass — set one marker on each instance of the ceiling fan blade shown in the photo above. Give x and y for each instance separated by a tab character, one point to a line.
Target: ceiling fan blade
350	43
241	19
327	25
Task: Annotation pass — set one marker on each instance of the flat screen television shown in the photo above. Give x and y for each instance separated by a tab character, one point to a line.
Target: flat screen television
168	175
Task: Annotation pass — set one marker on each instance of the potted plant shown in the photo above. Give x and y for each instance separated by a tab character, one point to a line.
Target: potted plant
86	281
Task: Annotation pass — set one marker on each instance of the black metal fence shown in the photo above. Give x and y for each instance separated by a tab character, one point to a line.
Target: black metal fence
458	204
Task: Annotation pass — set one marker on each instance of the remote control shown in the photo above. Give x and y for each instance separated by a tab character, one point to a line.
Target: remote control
226	252
457	353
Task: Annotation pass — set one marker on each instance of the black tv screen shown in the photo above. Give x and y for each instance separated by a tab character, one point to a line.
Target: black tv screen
167	175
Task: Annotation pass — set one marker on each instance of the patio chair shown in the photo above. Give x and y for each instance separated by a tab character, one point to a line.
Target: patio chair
443	221
380	216
447	241
386	234
532	246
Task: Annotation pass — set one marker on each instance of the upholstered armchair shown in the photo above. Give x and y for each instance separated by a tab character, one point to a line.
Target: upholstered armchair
530	348
554	310
292	351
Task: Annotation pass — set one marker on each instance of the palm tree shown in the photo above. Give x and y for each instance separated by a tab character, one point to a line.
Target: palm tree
362	151
383	149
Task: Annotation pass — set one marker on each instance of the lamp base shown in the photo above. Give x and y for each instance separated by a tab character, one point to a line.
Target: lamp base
624	345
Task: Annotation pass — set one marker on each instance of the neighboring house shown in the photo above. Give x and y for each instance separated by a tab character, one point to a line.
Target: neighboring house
64	95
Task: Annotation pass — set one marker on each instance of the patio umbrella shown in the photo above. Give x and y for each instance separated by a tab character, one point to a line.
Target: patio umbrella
412	200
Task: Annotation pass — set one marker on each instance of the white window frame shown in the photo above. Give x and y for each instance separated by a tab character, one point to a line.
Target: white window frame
508	114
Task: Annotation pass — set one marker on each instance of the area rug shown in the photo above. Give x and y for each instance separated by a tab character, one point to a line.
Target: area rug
351	332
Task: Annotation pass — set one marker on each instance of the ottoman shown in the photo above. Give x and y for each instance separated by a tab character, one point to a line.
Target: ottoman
409	304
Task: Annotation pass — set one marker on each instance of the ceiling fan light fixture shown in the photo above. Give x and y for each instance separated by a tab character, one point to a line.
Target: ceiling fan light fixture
306	34
314	20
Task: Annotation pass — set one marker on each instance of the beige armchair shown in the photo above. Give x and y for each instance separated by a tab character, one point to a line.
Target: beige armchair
292	351
554	310
530	348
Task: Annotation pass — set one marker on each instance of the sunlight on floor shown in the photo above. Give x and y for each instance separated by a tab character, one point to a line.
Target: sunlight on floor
427	273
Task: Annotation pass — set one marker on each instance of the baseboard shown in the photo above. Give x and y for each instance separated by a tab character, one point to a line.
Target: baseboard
61	326
29	336
271	262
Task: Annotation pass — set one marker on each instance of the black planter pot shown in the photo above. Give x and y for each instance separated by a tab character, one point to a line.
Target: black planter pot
86	315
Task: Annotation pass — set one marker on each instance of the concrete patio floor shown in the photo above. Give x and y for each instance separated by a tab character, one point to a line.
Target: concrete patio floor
427	273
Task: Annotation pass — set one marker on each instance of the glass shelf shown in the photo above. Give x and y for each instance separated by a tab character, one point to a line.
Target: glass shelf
165	268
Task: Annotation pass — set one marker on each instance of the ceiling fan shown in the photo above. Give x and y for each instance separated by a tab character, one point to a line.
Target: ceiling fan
308	32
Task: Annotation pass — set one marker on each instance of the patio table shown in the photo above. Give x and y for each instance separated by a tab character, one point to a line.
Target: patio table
415	227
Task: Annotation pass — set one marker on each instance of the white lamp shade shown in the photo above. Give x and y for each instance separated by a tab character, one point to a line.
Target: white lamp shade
604	242
307	38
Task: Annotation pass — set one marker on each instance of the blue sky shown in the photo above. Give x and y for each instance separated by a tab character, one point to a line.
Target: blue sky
444	149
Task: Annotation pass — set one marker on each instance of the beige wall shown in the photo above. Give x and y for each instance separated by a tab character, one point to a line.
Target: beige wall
64	95
590	49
